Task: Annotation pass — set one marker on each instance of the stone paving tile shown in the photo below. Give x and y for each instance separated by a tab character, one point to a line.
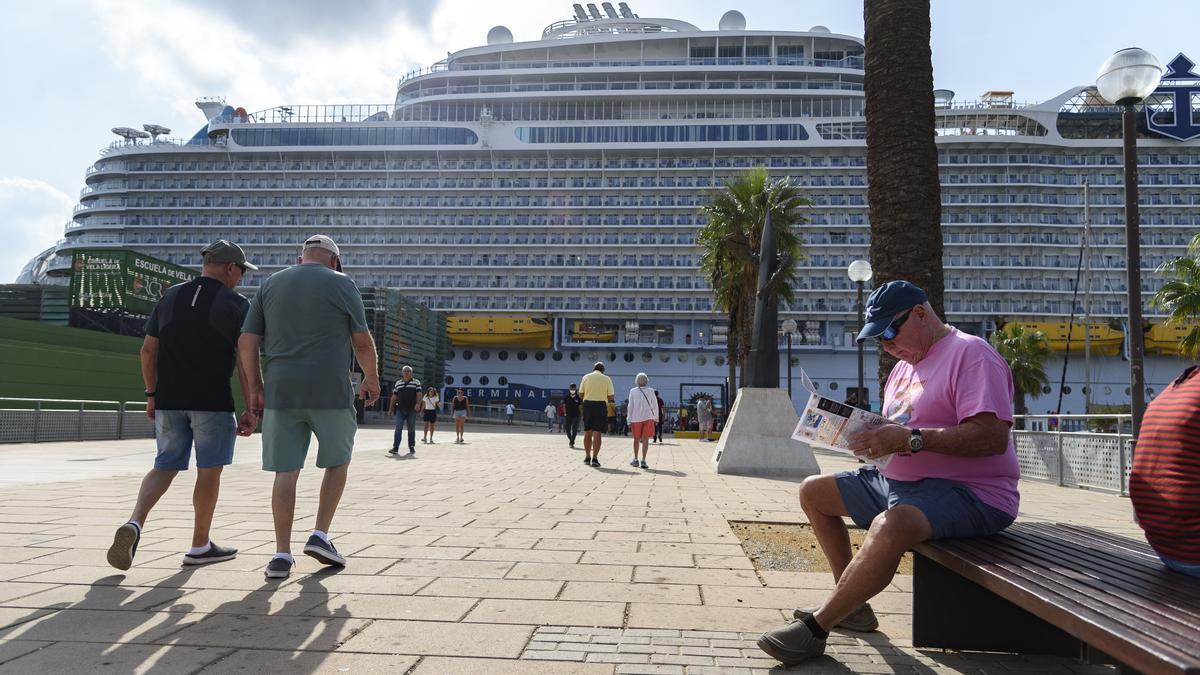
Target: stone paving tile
614	572
107	626
519	589
11	590
651	615
408	607
78	596
317	633
450	568
440	638
588	545
258	661
657	559
355	583
695	576
613	592
525	555
115	660
535	612
11	649
394	553
438	665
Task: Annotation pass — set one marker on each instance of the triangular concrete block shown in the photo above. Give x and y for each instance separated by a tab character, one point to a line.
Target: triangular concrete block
757	438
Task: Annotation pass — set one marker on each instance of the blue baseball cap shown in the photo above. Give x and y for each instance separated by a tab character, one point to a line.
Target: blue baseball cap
885	303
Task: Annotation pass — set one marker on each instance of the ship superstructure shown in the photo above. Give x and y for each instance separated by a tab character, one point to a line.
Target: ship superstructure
555	185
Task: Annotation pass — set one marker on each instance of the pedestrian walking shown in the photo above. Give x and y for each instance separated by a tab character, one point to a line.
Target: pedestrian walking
662	417
187	358
461	408
611	408
704	416
307	320
623	418
572	408
508	413
562	414
596	390
550	412
643	415
405	403
429	406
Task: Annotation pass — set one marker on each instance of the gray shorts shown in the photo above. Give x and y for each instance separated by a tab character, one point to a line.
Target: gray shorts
951	507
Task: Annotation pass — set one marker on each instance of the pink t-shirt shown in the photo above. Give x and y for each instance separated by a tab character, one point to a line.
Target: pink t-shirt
960	377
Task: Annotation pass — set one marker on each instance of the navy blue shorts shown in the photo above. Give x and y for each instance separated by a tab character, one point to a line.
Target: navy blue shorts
951	507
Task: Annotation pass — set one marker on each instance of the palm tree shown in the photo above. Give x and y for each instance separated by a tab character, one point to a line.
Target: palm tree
1180	296
902	171
729	244
1026	353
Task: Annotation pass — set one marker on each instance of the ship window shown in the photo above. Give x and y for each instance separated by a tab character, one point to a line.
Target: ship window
540	356
356	136
574	356
485	355
483	380
449	379
503	356
467	355
521	356
503	381
646	357
612	356
628	357
701	360
691	133
466	380
833	386
557	356
718	360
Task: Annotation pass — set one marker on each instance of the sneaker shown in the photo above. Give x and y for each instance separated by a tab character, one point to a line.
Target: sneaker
280	568
124	546
595	462
633	463
412	451
644	465
214	554
862	619
323	551
394	451
587	460
791	644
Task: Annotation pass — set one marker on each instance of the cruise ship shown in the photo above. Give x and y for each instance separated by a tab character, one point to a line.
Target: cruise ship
545	195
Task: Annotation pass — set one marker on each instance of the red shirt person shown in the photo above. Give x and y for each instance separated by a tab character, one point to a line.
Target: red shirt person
1165	484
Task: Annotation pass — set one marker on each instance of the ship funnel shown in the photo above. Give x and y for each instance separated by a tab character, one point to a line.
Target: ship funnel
942	98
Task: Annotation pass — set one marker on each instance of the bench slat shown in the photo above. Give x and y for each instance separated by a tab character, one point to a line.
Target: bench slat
1039	570
1110	598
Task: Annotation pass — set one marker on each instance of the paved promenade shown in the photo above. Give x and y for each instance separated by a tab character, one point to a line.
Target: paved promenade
504	555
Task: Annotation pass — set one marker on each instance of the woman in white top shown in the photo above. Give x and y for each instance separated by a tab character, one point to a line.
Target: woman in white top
430	403
643	414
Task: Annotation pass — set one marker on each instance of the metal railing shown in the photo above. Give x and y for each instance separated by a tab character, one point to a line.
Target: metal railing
1084	451
39	420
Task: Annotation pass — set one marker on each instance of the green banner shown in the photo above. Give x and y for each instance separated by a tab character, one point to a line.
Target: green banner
111	279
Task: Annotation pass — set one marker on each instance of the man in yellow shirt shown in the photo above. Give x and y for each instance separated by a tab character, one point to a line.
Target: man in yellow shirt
596	389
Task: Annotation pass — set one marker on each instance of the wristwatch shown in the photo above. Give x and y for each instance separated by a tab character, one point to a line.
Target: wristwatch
149	393
916	442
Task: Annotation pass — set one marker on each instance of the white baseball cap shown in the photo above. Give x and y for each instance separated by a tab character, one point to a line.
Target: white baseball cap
323	242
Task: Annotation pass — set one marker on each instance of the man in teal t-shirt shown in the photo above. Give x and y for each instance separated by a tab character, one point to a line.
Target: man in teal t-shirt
308	320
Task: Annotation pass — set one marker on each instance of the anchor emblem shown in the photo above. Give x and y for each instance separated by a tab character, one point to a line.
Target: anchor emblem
1180	83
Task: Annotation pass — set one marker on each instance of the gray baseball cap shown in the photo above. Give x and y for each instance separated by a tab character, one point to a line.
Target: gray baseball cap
225	251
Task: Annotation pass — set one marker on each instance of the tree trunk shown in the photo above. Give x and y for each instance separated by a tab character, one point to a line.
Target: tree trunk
903	190
1019	406
732	340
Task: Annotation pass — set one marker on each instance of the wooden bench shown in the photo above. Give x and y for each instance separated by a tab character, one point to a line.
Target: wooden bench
1037	588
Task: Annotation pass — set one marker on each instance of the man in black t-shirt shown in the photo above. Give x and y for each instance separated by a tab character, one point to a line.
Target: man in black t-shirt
406	401
572	405
187	358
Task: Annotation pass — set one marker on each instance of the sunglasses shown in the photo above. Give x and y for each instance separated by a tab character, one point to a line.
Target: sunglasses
893	329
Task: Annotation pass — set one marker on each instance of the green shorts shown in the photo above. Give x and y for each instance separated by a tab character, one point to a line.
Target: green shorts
286	433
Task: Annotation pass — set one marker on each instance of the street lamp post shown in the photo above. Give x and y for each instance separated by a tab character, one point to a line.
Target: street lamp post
860	272
1126	79
789	327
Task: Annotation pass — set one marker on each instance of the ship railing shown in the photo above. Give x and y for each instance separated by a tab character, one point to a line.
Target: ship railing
849	62
846	85
135	144
39	420
983	105
1084	451
311	114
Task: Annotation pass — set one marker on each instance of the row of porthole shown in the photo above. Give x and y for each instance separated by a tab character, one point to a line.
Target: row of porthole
483	380
628	357
1107	390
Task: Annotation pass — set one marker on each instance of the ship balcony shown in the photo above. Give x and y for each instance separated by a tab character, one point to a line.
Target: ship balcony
737	86
483	67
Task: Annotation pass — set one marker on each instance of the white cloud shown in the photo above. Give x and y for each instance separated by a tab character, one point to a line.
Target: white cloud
33	216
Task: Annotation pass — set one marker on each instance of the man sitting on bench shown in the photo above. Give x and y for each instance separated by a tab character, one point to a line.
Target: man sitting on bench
1165	483
953	469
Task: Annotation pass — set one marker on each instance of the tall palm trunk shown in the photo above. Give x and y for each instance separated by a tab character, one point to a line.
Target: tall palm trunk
902	171
732	342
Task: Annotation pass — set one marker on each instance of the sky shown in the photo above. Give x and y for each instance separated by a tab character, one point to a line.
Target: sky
73	69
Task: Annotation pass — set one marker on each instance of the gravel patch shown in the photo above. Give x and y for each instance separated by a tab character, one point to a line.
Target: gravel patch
787	547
